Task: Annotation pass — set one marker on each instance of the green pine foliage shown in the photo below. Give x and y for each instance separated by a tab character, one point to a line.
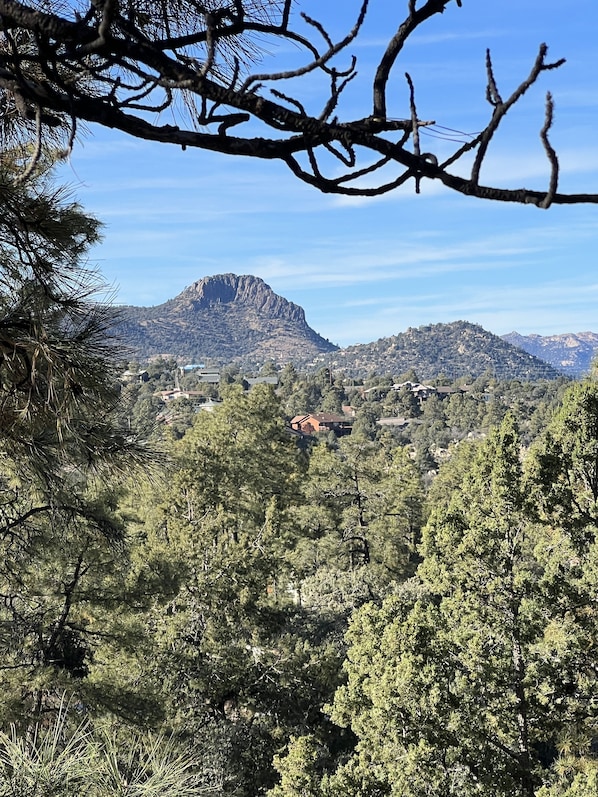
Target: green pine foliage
60	761
402	611
64	551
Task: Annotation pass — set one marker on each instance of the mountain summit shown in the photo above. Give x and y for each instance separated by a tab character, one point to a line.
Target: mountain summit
458	349
248	292
229	318
221	319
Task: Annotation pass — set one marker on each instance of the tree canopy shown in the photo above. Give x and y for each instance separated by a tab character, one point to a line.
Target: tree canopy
122	64
477	676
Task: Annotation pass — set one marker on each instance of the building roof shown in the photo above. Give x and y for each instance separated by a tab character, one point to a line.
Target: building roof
328	417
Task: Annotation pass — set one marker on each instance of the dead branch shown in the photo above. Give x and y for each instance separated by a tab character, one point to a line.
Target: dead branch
121	65
550	153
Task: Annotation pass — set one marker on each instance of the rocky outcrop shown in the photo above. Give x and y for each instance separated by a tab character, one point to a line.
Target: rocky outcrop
251	292
222	319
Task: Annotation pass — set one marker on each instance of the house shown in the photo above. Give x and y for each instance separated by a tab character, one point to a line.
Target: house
312	423
210	376
196	397
442	391
135	376
398	423
261	380
421	392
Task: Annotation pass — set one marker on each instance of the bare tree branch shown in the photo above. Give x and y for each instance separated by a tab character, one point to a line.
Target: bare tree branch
501	108
414	126
550	153
122	65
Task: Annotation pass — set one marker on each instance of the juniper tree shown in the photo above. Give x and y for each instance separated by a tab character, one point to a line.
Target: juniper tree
478	675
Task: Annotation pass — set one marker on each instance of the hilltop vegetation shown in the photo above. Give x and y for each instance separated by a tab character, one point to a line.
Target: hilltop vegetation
459	349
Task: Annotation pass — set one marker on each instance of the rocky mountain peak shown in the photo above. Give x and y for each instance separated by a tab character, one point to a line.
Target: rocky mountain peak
222	319
245	290
572	353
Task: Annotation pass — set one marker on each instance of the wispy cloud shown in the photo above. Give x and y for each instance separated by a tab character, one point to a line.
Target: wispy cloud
375	260
550	308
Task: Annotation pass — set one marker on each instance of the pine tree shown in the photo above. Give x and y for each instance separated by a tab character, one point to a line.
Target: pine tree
236	664
63	558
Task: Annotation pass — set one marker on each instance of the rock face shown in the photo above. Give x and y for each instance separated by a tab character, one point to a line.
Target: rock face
571	353
222	319
244	291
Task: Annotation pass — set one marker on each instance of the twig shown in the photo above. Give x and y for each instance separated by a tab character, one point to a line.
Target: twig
550	153
414	128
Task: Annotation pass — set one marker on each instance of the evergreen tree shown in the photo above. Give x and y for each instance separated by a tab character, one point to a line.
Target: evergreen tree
362	509
477	677
57	355
564	467
63	559
240	665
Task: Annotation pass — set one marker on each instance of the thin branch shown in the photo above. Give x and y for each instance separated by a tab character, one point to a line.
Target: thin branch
318	62
492	92
501	108
550	153
37	149
414	127
335	92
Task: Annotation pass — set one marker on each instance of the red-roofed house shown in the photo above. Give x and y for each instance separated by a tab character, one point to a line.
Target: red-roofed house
314	422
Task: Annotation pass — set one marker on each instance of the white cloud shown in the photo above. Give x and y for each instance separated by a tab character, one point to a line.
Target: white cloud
343	263
551	308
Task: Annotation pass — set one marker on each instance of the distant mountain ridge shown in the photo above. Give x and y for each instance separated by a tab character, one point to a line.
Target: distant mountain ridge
222	319
228	318
572	353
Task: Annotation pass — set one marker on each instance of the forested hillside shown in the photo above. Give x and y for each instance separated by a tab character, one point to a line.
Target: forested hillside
459	349
261	582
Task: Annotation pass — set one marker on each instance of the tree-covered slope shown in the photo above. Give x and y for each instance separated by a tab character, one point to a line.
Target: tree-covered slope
229	318
456	349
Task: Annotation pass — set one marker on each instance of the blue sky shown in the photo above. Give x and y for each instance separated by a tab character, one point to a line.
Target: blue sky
368	268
